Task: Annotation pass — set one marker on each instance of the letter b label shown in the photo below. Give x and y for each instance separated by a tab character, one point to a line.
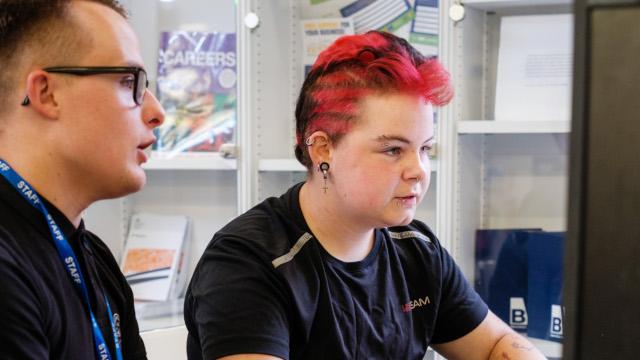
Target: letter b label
518	316
517	313
556	321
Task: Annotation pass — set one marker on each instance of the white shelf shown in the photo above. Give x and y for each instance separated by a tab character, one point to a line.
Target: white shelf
280	165
265	165
491	5
550	349
512	127
166	343
210	161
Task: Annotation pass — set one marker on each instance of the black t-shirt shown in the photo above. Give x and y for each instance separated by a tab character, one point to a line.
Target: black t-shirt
43	316
266	285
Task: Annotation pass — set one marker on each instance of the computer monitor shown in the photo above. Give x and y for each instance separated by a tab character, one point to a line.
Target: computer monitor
602	265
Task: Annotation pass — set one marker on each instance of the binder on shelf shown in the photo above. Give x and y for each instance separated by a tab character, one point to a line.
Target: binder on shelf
501	273
534	72
519	275
197	88
546	311
154	258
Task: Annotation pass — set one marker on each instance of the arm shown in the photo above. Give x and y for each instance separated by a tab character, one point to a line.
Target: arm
236	306
492	340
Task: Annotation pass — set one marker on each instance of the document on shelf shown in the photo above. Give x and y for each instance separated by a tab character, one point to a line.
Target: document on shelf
535	64
416	21
153	261
425	27
318	34
388	15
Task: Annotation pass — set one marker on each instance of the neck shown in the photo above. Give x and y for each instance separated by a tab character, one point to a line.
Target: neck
342	237
51	183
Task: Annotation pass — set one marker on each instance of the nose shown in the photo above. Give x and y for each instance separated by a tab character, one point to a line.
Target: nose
152	111
417	167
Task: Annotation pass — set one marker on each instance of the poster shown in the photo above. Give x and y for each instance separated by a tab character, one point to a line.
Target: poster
197	87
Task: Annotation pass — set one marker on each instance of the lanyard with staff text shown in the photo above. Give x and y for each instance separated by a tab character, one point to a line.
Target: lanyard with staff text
68	258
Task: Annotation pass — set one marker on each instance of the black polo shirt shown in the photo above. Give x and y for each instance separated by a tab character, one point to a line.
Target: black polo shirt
266	285
43	316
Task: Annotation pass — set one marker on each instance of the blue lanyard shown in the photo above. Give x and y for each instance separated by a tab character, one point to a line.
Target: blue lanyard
68	258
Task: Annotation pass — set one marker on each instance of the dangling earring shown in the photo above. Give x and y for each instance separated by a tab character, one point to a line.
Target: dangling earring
324	168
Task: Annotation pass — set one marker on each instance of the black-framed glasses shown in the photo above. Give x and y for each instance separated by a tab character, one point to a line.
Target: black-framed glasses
140	81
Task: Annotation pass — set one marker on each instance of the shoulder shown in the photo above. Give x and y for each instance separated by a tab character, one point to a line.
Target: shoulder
19	253
9	251
14	231
268	230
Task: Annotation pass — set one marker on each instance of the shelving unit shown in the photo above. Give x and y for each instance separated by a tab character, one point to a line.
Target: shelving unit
490	151
508	174
488	173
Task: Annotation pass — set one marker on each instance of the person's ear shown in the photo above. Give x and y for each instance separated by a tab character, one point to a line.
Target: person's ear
320	147
41	95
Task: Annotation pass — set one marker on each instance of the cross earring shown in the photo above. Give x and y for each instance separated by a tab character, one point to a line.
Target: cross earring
324	168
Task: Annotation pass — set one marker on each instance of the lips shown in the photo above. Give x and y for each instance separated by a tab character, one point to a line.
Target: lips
409	200
409	196
146	144
144	149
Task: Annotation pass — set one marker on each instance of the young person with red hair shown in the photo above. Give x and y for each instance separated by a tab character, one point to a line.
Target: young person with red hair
337	267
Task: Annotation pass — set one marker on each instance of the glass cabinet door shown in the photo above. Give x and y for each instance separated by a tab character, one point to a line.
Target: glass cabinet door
189	49
512	159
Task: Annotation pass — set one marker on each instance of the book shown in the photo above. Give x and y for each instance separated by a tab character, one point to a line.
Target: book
546	311
535	63
197	87
154	257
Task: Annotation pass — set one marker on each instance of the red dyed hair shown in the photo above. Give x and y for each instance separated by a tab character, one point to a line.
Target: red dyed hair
355	66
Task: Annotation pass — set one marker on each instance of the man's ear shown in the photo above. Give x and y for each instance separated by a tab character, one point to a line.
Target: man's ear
320	147
40	91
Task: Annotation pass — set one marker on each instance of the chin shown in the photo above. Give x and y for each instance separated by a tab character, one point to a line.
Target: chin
405	221
399	221
138	183
133	183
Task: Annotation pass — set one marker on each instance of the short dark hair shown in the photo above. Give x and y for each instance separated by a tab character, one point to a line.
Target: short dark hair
40	28
355	66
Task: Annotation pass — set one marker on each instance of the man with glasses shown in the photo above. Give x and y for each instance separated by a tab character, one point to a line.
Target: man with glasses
75	121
